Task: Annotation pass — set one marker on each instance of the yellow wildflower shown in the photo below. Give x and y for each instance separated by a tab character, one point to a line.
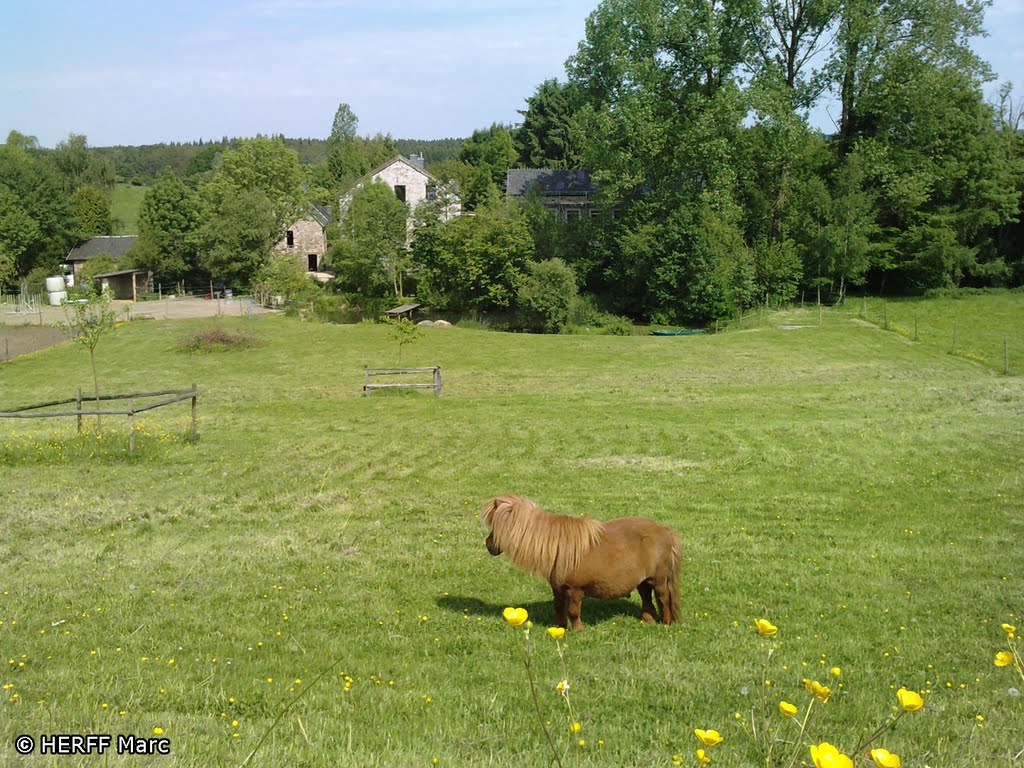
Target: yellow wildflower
910	701
786	709
1009	629
515	616
702	757
885	759
821	692
557	633
765	628
1004	659
825	755
708	738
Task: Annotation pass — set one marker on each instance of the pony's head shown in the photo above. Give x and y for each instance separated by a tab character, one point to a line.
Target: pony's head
496	513
538	541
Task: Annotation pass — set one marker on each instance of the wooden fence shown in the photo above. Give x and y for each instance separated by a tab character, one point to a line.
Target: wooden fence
369	386
171	396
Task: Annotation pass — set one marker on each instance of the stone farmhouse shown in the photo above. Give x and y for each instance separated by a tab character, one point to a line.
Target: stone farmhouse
412	185
306	241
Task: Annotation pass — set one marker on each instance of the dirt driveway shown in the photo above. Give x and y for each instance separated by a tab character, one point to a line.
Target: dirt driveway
24	332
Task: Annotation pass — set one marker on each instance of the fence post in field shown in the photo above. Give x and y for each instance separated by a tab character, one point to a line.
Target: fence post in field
953	350
78	407
131	426
195	395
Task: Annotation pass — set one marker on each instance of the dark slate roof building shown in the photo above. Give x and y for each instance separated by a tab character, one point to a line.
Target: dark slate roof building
568	192
116	247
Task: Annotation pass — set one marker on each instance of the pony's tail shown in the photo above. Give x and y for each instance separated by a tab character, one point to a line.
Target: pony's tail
673	578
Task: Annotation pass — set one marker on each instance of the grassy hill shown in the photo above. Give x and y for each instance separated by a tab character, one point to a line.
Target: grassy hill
125	202
862	492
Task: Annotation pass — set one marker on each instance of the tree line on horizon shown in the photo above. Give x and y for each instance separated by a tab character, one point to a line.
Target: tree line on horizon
714	192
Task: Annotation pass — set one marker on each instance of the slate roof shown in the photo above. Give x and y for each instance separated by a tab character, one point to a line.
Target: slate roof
549	182
321	214
114	246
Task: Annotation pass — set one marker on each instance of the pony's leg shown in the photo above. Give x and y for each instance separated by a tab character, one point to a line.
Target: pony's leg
575	597
647	615
661	590
560	606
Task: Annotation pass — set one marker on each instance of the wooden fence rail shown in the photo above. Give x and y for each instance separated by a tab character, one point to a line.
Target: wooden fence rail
176	396
369	387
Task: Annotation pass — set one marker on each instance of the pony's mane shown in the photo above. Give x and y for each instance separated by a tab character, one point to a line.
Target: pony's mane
548	545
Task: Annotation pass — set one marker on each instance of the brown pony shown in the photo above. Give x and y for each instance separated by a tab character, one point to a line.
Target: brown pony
583	557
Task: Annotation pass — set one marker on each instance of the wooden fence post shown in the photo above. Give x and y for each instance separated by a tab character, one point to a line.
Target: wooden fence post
437	380
78	407
131	426
195	423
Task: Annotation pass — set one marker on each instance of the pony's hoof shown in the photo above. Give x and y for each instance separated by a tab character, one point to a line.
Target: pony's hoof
647	618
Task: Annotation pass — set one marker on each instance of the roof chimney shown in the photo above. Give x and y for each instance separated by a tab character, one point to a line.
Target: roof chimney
417	160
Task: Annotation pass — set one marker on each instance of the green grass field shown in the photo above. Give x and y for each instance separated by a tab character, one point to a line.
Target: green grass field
862	492
125	202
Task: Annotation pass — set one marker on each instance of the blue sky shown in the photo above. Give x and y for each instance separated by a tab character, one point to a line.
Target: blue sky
144	72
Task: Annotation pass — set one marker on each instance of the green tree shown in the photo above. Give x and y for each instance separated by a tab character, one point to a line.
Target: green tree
79	166
544	140
87	323
546	295
264	166
660	129
473	262
90	213
168	229
343	129
371	254
33	214
236	239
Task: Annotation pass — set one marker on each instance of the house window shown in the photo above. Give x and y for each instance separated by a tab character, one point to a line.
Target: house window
431	192
312	262
572	213
400	192
291	239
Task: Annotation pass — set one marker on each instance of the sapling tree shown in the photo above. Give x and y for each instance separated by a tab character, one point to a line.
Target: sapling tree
404	331
87	323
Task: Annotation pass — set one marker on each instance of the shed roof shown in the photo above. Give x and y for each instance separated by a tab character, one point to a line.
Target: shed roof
402	309
120	272
115	246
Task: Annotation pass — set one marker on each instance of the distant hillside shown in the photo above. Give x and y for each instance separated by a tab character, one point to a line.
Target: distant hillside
140	165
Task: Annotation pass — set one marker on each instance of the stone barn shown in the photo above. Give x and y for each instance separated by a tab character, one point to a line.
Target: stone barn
307	242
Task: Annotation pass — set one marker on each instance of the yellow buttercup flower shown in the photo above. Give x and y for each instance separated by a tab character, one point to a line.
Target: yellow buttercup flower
515	616
562	687
835	671
708	738
910	701
557	633
885	759
1009	629
825	755
702	757
576	727
765	628
786	709
1004	659
821	692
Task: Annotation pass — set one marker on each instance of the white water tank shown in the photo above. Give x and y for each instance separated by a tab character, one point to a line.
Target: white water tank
54	284
56	297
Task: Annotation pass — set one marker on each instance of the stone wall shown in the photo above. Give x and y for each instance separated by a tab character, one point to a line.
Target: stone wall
307	239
